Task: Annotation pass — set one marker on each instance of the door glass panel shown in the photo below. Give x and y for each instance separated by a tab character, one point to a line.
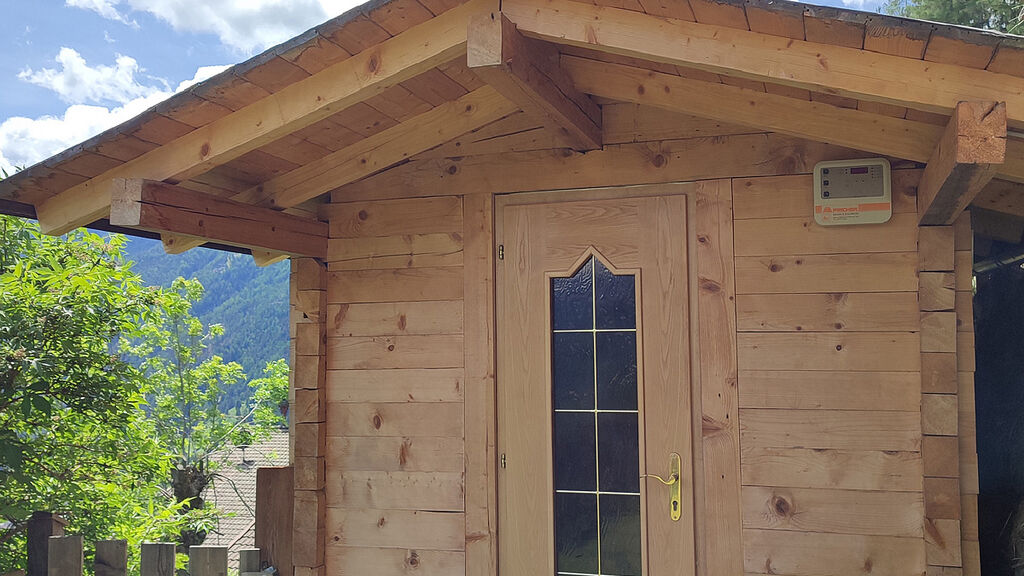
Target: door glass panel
596	447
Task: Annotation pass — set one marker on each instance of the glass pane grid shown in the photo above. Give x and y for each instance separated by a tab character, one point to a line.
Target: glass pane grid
597	504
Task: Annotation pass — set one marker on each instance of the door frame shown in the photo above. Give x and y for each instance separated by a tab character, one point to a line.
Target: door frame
716	482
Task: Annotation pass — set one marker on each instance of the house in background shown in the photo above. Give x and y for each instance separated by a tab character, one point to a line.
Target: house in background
567	294
234	491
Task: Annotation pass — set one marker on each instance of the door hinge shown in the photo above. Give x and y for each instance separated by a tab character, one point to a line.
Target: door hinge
503	460
501	251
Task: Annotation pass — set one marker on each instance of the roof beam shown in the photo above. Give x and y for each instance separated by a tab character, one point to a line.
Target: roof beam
803	118
165	208
526	71
382	150
970	152
296	106
930	86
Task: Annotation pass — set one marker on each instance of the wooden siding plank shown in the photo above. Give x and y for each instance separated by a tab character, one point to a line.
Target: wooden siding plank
399	385
830	390
833	511
400	285
414	529
395	318
425	454
810	554
896	351
394	217
793	196
356	490
883	272
360	561
831	312
361	352
432	419
835	429
846	469
406	251
779	236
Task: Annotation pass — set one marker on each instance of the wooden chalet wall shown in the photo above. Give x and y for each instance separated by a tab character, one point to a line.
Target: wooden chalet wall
830	352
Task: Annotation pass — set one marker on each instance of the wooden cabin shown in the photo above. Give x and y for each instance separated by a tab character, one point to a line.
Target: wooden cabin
561	303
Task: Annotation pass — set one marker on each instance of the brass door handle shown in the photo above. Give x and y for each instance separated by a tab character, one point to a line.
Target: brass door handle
675	485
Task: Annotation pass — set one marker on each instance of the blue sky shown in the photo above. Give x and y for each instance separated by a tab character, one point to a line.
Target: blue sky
70	69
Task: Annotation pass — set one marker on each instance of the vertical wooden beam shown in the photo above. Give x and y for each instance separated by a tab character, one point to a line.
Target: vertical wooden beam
42	525
480	417
208	561
716	297
967	157
308	413
968	448
527	72
274	511
111	558
939	407
64	556
157	559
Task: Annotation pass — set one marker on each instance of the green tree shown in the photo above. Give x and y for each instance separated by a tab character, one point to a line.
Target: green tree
1000	15
184	388
72	437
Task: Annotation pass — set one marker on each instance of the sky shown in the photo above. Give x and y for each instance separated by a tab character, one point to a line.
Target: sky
70	69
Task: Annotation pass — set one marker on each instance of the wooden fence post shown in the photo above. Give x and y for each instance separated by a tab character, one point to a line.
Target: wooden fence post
208	561
64	557
157	559
275	489
111	558
248	561
41	526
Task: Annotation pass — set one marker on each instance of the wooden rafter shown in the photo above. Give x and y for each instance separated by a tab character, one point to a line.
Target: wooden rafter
970	152
527	72
929	86
812	120
165	208
423	132
296	106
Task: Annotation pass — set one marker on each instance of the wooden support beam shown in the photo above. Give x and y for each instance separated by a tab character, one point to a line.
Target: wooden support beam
803	118
296	106
160	207
178	244
968	155
1002	196
527	72
382	150
264	258
850	72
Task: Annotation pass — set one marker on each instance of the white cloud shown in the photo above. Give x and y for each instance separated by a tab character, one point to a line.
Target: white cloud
25	141
244	25
78	83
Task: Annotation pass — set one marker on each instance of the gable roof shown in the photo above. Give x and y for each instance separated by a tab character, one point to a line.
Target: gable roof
363	30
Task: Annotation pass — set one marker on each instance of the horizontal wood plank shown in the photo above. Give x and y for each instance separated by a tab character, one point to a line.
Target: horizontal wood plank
845	469
355	490
814	554
396	529
830	312
400	285
360	561
391	453
830	390
886	272
394	217
433	419
363	352
793	196
833	511
407	251
395	318
835	429
885	351
397	385
802	235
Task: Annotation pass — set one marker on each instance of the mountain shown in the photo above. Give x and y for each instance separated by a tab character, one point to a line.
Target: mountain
250	302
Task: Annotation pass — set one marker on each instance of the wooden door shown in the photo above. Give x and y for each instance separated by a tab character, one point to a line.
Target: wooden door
594	388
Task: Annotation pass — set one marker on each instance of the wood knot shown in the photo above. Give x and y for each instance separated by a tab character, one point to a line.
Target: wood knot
774	267
204	150
401	322
710	286
391	347
781	506
377	421
413	559
403	453
838	325
363	215
839	347
452	169
659	161
703	238
640	89
382	522
373	64
869	564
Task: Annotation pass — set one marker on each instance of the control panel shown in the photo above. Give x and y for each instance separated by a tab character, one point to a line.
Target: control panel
852	192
